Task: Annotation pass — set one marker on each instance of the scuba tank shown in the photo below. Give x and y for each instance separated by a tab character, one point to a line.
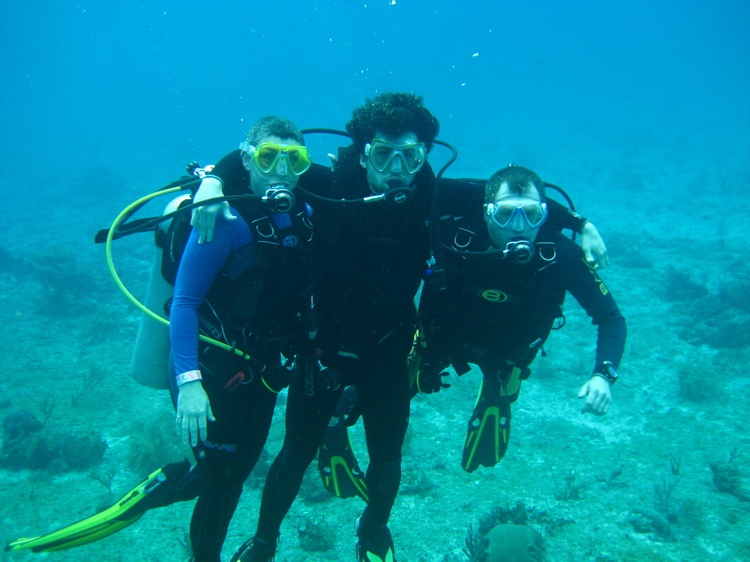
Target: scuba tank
149	364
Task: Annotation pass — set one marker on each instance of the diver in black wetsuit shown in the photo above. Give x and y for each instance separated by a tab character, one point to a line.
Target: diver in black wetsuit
508	274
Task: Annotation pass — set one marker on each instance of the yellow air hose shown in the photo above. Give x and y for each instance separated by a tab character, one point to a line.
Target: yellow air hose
138	304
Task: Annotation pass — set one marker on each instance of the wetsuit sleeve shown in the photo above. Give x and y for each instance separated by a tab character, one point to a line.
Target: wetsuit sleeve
560	217
231	172
594	296
199	267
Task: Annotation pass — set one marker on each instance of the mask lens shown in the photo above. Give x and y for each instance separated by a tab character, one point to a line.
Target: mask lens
517	213
267	156
299	158
382	153
534	214
414	157
504	213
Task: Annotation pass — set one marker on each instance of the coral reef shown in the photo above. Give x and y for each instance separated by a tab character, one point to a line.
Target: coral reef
515	543
504	535
150	448
728	477
28	444
678	286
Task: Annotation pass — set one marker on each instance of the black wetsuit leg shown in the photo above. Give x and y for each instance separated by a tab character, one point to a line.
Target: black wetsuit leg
384	397
307	418
225	460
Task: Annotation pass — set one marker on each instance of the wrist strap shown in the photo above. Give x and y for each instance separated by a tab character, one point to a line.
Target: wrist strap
582	225
608	372
189	376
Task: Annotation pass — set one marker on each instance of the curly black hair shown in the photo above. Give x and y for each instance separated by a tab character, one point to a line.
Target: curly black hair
392	114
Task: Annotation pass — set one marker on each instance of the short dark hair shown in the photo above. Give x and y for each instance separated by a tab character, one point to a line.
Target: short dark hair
519	180
393	114
272	126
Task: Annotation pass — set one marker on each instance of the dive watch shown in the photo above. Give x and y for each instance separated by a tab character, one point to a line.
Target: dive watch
608	372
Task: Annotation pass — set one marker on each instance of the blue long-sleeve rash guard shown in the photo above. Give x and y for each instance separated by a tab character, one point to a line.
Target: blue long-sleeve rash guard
199	267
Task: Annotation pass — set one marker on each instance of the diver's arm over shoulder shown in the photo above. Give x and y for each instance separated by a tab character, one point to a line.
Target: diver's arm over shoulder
204	217
228	177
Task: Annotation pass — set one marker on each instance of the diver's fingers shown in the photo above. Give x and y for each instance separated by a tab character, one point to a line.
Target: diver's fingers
195	429
604	259
202	429
584	390
334	161
597	402
603	403
201	434
185	429
584	393
198	222
596	255
209	223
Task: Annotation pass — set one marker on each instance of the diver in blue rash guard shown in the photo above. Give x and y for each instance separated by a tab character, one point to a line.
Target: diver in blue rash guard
248	289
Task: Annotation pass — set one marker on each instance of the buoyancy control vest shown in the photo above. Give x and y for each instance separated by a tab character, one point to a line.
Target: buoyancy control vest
493	308
261	297
375	253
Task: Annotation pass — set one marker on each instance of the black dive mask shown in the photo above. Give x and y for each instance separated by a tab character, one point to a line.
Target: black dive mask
278	199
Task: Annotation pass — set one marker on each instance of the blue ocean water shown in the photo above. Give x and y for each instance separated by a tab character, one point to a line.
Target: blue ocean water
639	108
119	84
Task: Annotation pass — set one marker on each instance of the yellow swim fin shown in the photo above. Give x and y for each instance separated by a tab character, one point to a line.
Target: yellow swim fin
337	465
488	431
125	512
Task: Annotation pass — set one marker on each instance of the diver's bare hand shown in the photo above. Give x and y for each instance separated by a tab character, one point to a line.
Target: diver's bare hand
204	217
598	394
193	413
594	248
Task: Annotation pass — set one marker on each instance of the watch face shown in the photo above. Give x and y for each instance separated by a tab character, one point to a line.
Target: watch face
610	372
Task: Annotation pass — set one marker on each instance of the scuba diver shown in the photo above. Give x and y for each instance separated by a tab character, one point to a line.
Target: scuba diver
249	290
508	274
373	236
